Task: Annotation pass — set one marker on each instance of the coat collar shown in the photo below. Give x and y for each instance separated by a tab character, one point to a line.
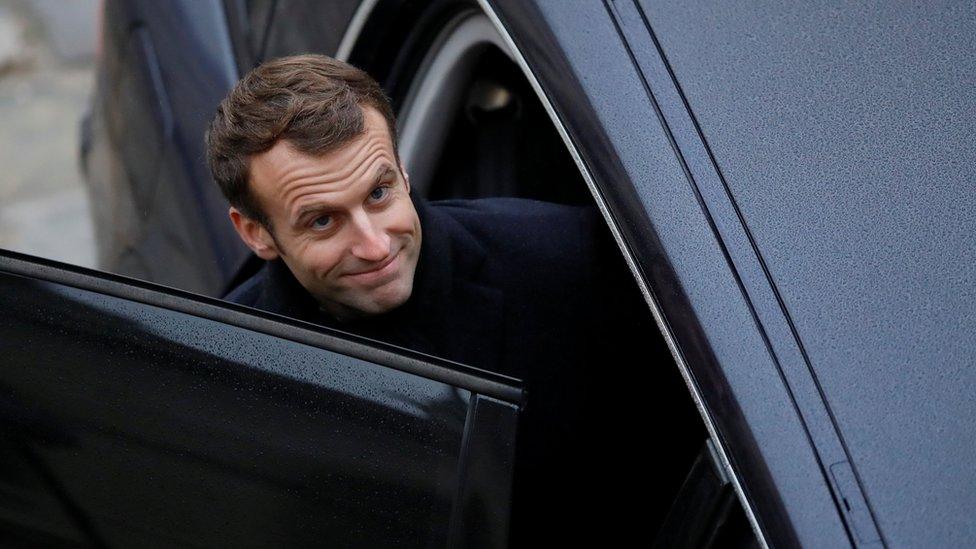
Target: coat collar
452	300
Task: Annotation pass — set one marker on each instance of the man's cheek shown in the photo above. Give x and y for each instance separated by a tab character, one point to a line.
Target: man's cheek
403	217
325	257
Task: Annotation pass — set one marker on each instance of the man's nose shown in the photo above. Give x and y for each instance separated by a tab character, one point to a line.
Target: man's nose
371	241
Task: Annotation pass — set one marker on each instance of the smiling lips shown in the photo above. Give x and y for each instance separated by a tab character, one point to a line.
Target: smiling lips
382	274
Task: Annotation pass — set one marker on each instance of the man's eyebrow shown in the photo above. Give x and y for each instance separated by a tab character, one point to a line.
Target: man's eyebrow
310	209
382	171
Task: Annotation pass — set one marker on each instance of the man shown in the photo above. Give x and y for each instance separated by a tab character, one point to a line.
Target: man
304	150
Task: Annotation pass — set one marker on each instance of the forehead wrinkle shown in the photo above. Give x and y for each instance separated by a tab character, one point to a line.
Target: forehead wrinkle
300	198
313	177
314	174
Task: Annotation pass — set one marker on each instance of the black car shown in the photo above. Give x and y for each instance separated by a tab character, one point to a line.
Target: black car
790	185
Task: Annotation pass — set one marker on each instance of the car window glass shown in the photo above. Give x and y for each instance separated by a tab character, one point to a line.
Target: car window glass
259	16
300	26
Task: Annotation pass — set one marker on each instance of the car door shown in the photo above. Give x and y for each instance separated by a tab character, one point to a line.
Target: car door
137	415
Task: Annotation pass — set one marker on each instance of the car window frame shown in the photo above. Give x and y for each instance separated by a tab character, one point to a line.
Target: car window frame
611	222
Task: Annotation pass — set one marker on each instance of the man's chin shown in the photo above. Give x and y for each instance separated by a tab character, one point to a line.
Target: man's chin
378	302
387	301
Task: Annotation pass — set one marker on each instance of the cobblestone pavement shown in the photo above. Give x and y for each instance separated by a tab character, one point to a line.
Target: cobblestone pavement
45	83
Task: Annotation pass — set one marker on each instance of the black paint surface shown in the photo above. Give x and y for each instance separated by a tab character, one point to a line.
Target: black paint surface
125	424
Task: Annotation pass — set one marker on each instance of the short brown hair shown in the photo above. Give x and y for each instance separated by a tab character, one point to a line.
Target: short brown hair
313	101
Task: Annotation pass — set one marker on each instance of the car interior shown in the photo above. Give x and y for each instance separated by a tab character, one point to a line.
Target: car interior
471	127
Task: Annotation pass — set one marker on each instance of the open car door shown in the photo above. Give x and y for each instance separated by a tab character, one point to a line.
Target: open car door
136	415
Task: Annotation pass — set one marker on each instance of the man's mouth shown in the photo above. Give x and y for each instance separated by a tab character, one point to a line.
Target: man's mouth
381	273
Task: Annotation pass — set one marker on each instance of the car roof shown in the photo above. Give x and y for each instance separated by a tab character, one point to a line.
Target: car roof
844	135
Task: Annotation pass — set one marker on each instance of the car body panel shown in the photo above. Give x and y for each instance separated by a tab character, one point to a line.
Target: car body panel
844	135
748	267
684	263
158	215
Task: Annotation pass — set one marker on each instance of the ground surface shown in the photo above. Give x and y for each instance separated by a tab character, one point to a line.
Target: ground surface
46	73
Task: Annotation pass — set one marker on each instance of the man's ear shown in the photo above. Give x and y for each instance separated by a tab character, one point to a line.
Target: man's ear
254	235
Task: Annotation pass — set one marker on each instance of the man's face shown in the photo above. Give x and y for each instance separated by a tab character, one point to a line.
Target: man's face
342	222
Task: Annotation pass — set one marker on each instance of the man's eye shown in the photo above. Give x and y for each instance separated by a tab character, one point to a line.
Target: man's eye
379	193
321	222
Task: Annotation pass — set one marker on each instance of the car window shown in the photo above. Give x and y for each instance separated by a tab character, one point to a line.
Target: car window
298	26
259	15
